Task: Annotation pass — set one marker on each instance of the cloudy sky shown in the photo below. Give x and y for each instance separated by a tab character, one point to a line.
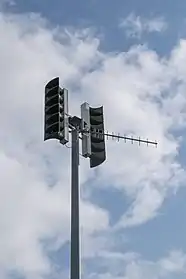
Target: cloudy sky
130	57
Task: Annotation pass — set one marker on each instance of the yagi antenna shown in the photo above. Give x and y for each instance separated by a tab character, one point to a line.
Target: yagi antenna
113	136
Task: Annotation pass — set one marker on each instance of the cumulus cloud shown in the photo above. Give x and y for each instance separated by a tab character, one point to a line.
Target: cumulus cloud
135	26
34	193
132	266
142	94
133	87
7	3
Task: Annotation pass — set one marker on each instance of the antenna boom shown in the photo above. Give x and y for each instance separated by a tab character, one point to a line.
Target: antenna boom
124	137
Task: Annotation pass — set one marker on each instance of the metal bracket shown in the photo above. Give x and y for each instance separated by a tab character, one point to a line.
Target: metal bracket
75	122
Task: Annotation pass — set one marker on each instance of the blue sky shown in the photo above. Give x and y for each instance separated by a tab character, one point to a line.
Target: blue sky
130	57
104	16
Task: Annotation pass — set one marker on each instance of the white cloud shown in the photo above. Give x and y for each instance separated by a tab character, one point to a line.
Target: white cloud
135	26
30	210
176	262
7	3
132	266
133	87
141	94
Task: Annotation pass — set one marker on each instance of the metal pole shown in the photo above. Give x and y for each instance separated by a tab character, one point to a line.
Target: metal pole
75	241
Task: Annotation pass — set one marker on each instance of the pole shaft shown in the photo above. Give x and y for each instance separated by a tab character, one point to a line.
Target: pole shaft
75	238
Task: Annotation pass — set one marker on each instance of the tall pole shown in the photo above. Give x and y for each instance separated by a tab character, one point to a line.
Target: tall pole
75	238
91	126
